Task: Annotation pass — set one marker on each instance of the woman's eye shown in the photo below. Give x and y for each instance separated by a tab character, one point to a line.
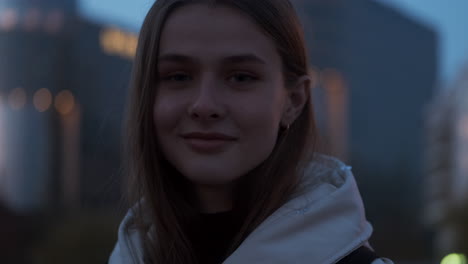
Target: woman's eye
178	77
242	78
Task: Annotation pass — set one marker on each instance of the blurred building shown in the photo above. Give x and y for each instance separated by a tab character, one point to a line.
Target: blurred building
447	168
63	82
376	70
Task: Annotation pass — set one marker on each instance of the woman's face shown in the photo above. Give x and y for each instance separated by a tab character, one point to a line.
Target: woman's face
220	94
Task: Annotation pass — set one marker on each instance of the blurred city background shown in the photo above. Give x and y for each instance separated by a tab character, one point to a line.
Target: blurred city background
391	94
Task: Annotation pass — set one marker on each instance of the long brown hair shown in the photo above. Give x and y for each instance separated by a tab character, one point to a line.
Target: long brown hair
163	211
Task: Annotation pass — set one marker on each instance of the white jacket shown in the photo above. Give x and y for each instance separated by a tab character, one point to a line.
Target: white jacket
321	225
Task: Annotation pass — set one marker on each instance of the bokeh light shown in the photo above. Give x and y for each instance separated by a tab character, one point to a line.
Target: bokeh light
54	21
454	259
117	42
332	80
32	19
42	99
64	102
8	19
17	98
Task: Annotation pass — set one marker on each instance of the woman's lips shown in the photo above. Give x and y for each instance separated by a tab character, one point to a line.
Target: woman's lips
208	142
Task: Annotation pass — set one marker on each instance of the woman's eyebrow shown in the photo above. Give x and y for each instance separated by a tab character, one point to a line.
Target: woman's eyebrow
244	58
233	59
172	57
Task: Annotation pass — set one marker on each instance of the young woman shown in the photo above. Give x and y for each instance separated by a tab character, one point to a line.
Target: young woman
221	149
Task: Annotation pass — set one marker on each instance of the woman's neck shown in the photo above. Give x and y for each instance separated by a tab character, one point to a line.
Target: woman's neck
214	198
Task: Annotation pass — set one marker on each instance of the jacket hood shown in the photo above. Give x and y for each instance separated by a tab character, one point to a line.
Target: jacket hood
322	223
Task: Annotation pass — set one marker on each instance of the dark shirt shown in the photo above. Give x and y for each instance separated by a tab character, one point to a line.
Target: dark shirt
212	236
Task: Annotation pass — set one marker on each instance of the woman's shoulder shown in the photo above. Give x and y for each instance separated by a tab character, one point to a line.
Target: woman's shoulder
324	172
327	168
323	221
128	248
382	261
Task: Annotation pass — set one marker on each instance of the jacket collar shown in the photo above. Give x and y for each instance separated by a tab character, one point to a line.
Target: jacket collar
323	223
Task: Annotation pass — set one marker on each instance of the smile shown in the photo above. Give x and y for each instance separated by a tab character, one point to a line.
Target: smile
208	143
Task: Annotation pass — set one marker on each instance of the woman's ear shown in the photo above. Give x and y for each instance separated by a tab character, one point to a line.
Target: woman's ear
297	97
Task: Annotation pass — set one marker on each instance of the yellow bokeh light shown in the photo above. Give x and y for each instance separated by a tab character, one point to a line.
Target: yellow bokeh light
131	46
454	259
333	80
17	98
42	100
64	102
117	42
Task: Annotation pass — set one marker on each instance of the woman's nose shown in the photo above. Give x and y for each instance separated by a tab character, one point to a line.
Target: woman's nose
207	104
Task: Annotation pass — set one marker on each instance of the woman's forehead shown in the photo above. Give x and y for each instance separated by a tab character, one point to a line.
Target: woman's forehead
200	30
200	13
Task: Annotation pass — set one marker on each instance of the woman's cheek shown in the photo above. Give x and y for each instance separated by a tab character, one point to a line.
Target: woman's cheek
162	117
262	126
262	112
167	108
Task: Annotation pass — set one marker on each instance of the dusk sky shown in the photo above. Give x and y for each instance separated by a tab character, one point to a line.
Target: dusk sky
448	18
